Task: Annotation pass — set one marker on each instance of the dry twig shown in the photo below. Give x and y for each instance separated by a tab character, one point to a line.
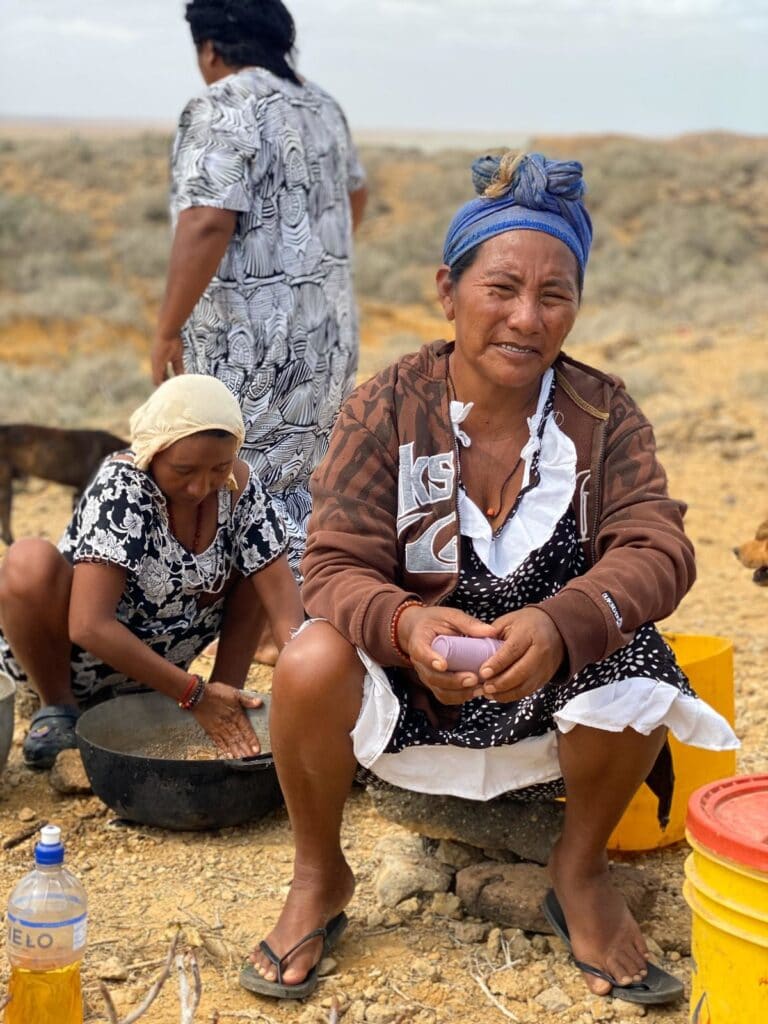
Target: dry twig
482	980
111	1011
490	996
149	998
19	837
198	921
189	993
407	998
255	1018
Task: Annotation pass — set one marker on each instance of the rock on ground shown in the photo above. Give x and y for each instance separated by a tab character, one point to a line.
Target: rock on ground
512	894
525	829
405	870
68	774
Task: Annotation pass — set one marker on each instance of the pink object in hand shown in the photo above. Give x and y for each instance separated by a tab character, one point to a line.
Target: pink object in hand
465	653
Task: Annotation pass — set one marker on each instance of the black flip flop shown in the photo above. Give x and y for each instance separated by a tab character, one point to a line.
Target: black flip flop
656	988
253	981
51	730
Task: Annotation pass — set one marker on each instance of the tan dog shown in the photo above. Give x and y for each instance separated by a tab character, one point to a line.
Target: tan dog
754	555
69	457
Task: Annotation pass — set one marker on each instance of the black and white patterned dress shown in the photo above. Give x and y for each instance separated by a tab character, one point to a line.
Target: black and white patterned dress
277	323
122	520
484	748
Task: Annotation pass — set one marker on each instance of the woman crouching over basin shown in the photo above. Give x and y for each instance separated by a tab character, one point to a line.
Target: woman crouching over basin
173	544
490	487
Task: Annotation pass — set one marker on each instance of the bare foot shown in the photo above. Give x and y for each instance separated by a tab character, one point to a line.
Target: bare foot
311	903
603	932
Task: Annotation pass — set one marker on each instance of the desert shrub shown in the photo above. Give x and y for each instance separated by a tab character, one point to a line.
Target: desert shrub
753	384
147	204
398	268
97	391
143	251
598	323
73	297
644	382
443	184
37	240
111	164
398	264
680	228
396	345
142	240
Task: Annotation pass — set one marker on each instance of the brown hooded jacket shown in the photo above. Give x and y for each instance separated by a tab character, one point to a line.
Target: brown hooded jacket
385	524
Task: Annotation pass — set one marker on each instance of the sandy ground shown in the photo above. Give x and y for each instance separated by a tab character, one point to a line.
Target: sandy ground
705	393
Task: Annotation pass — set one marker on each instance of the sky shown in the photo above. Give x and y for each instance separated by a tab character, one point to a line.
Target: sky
648	67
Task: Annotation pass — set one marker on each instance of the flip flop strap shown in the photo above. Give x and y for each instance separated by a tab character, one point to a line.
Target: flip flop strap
597	973
54	711
278	961
46	718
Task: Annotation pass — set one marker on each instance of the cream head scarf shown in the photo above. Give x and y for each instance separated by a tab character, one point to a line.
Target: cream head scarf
180	407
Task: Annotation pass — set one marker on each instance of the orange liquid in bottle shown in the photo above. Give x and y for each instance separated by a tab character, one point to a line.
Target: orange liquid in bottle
51	996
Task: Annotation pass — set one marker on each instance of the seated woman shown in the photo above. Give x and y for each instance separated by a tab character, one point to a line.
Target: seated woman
172	544
489	487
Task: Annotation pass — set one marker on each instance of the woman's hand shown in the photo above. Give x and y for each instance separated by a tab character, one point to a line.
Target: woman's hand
533	652
417	628
221	713
166	350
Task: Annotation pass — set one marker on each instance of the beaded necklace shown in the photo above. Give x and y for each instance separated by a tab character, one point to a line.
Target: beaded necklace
198	526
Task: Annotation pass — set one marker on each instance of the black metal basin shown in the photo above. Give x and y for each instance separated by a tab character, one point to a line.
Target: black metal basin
155	789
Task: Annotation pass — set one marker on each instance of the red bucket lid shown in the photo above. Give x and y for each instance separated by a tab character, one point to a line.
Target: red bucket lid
730	817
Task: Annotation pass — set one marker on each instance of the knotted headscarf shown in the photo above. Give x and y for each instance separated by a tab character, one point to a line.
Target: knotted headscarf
180	407
543	195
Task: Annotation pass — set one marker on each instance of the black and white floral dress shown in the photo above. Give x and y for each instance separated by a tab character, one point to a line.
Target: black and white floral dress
122	520
484	748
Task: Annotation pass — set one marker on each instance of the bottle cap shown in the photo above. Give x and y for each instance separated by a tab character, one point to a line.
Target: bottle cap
49	849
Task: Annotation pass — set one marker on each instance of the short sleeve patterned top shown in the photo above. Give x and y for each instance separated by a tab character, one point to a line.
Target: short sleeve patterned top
122	520
277	322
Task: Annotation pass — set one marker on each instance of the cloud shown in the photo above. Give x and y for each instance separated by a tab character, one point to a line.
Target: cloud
82	28
473	12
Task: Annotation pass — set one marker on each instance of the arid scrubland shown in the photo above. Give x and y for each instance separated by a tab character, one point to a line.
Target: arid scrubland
681	242
676	302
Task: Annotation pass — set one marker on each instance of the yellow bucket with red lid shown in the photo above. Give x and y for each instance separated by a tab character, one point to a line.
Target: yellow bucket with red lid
707	661
726	887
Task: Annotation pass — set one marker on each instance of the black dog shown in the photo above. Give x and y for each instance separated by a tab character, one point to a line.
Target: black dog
69	457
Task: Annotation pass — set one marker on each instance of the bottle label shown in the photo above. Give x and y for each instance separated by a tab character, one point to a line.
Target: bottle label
28	938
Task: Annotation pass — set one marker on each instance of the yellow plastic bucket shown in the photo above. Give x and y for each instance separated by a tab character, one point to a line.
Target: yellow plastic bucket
726	887
708	663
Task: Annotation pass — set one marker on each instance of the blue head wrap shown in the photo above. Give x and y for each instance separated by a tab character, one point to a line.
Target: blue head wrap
544	195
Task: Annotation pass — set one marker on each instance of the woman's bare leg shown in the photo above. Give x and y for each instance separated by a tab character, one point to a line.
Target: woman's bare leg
266	650
316	696
241	622
35	584
602	772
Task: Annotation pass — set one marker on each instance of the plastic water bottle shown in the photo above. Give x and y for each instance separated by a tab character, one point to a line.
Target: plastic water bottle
47	917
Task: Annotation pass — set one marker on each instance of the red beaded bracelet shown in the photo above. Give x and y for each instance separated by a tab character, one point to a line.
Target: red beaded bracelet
188	700
412	602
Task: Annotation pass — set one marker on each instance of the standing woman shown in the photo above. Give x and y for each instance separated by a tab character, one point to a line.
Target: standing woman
266	189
